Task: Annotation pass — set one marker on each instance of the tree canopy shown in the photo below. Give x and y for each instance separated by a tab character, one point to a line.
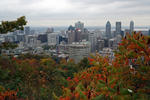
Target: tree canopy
11	26
125	78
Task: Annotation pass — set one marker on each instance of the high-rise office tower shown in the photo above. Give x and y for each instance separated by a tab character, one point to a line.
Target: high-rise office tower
118	28
131	27
108	30
92	40
71	34
79	25
78	33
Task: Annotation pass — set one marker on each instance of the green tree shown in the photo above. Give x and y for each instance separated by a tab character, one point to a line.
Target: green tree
84	63
11	26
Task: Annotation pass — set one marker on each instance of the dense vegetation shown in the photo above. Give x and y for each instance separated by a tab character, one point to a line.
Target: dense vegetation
124	78
34	77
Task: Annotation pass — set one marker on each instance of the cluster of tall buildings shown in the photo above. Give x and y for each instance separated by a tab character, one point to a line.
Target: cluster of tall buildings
77	33
118	30
74	43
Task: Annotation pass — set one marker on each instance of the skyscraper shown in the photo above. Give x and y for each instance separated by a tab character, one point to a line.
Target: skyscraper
78	33
118	28
131	26
71	36
108	29
79	25
92	39
149	32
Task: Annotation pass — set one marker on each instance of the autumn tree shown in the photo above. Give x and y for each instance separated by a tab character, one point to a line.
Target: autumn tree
84	63
125	78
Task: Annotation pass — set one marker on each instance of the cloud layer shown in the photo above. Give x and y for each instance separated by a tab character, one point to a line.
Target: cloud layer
66	12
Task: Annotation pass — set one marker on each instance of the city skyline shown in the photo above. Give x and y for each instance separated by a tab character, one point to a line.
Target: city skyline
66	12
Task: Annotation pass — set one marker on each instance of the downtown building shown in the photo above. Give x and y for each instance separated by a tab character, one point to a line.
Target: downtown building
32	41
79	50
79	25
76	34
118	28
131	27
52	39
99	45
108	30
71	34
92	40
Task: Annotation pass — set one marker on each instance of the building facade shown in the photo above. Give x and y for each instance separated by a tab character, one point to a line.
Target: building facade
92	40
79	50
79	25
131	27
118	28
52	38
108	30
71	36
99	45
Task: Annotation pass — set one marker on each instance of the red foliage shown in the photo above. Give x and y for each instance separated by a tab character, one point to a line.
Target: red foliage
9	95
118	74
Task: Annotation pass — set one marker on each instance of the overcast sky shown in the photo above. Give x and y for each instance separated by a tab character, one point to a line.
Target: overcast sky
66	12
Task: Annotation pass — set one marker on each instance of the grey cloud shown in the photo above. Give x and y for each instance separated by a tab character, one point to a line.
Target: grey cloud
76	9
